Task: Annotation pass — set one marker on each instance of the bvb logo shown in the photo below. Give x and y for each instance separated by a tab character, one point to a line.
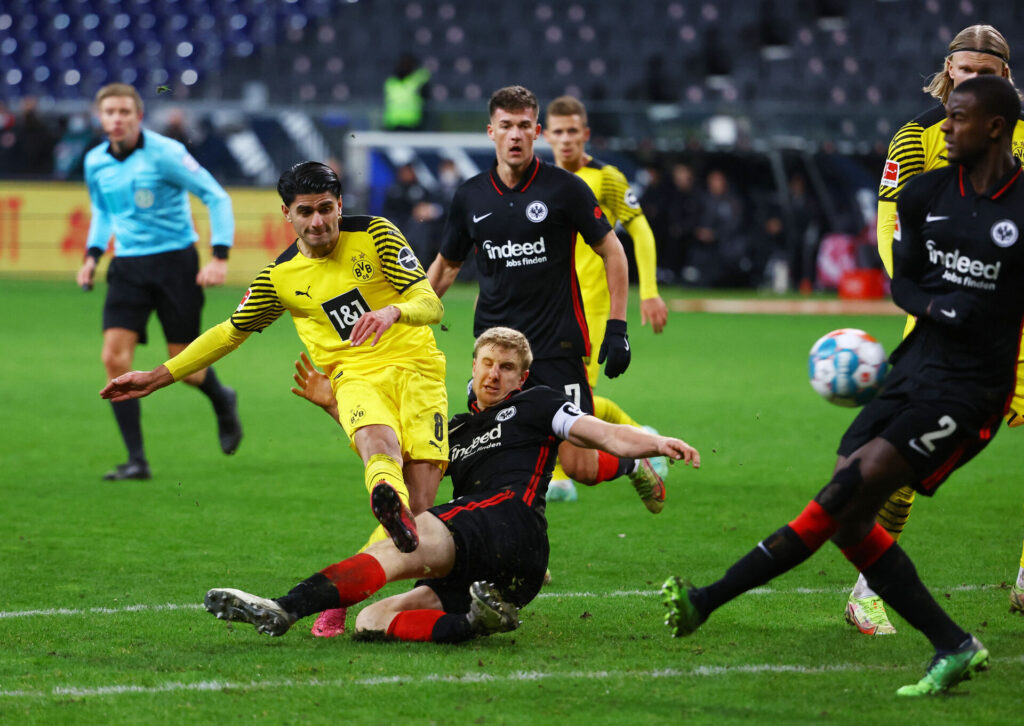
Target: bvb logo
362	269
357	414
1018	149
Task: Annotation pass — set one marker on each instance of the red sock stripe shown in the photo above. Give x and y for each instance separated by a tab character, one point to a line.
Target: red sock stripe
607	467
814	526
490	502
414	625
356	578
866	552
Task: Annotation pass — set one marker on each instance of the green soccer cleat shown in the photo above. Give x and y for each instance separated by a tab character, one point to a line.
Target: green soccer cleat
946	670
1017	599
868	615
682	617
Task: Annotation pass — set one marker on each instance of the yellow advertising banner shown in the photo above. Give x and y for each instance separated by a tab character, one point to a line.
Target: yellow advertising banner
44	226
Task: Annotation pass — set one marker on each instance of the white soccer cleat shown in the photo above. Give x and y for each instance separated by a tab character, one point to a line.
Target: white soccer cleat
240	607
868	615
1017	599
561	490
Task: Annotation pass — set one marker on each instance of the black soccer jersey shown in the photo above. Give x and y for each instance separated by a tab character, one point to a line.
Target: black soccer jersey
511	445
951	239
524	240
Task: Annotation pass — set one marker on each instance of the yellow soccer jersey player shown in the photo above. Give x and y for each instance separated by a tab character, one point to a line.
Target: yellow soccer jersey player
360	302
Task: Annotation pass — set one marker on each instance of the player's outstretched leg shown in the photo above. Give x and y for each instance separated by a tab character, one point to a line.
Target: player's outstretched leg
394	516
682	617
949	668
241	607
489	613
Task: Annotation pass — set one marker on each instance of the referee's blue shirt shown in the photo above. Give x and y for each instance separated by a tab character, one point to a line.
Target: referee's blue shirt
143	200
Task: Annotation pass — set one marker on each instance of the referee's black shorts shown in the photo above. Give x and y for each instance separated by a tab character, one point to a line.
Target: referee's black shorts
164	282
936	434
498	538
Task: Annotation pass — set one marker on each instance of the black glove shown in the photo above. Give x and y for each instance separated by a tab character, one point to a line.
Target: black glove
955	309
615	347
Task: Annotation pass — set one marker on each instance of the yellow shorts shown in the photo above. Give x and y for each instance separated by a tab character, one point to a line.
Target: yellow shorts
413	405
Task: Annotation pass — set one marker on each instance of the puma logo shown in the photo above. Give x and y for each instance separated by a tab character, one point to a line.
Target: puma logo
306	293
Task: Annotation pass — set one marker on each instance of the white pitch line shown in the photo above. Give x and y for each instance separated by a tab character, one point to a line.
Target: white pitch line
544	595
471	677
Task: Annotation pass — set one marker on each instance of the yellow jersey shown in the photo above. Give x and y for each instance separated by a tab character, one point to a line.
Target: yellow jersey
917	147
619	204
370	268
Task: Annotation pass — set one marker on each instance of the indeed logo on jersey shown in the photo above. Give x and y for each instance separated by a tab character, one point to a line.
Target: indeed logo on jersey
486	440
516	254
962	269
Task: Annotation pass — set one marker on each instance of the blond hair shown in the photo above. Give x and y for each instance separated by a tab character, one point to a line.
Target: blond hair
566	106
509	339
976	39
119	90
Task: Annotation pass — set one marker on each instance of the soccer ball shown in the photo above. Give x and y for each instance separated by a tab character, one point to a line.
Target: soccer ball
847	367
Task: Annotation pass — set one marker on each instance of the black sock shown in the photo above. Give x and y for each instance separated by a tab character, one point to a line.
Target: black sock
894	578
779	553
626	467
129	420
451	628
313	595
215	391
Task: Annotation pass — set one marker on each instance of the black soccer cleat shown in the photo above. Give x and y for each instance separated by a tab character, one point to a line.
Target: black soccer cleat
229	426
129	470
394	516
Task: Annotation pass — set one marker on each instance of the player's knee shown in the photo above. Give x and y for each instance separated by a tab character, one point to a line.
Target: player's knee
845	483
116	360
580	465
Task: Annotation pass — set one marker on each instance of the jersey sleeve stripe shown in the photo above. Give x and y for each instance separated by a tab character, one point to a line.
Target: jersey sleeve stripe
393	251
262	306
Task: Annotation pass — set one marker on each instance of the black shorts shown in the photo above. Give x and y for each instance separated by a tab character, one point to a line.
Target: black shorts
563	374
165	282
936	434
498	538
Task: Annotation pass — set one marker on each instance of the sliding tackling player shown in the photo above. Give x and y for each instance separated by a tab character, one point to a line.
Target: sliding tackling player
482	555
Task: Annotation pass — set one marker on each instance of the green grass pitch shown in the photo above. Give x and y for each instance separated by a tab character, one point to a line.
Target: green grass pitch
101	583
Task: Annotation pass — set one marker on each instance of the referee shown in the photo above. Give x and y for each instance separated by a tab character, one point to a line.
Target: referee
138	186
